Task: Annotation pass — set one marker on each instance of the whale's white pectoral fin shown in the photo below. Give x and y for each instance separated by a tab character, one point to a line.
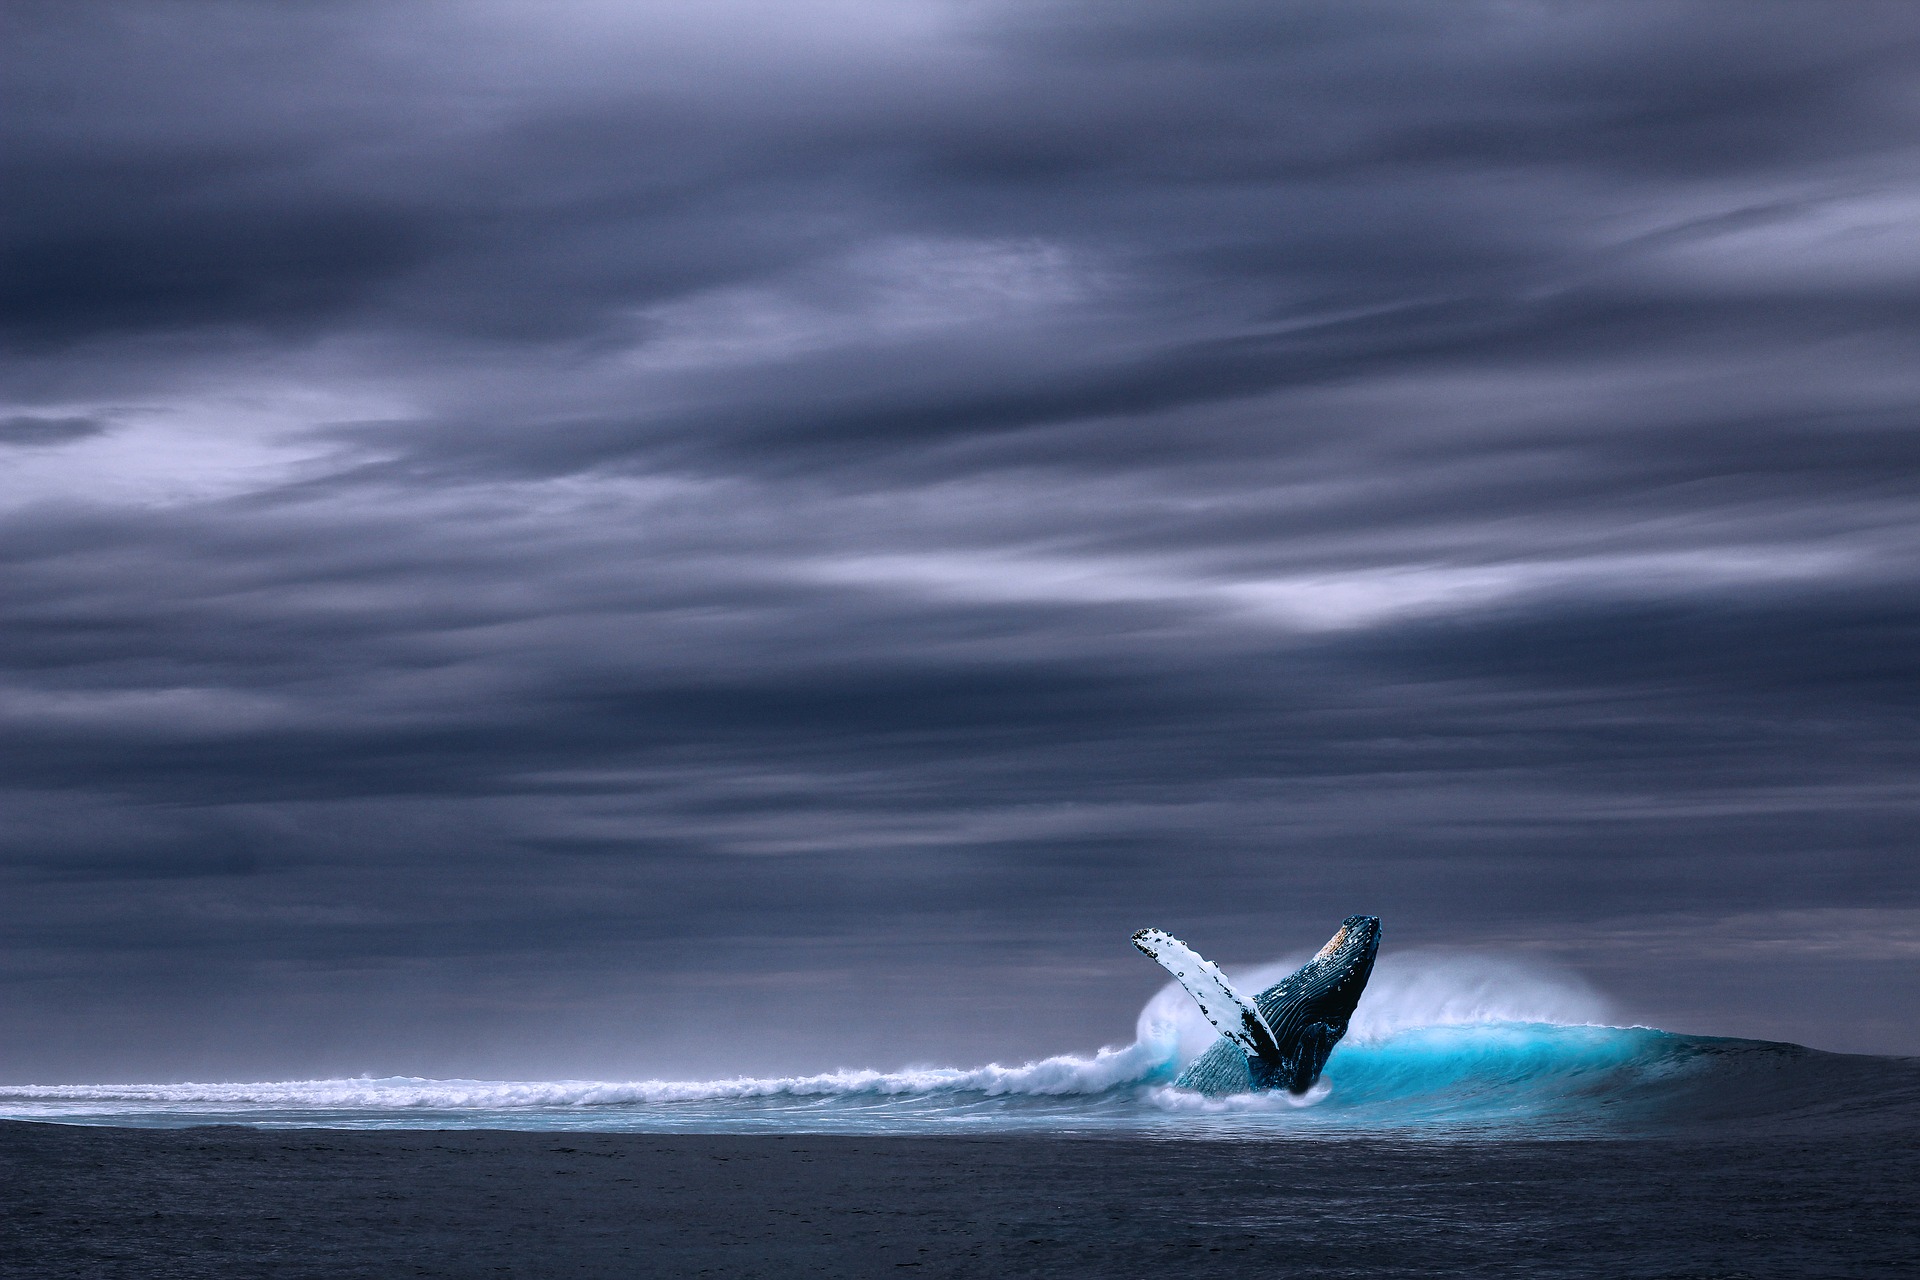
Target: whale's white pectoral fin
1232	1013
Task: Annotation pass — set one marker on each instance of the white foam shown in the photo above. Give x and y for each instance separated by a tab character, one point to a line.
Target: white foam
1065	1074
1167	1098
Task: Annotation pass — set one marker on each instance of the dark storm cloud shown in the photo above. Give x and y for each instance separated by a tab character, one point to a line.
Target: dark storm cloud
610	515
31	429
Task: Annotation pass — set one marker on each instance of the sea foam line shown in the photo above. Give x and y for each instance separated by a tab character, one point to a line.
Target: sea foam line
1063	1075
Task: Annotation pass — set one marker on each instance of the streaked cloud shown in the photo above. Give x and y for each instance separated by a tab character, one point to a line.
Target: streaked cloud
857	489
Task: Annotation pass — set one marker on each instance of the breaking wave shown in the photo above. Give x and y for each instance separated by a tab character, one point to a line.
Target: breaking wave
1442	1043
1050	1077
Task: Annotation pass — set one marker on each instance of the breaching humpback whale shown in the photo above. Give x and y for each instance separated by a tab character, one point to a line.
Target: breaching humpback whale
1280	1038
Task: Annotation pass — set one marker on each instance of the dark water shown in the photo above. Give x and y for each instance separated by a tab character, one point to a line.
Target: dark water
101	1202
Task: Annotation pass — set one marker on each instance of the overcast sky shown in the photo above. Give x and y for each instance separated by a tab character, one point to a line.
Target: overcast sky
650	539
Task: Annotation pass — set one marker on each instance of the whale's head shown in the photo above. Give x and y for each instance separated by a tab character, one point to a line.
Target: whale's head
1333	980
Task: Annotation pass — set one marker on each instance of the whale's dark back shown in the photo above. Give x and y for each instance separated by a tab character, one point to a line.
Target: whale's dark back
1308	1010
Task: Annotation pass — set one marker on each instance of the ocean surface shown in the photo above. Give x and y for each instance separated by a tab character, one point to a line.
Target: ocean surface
1482	1119
1443	1046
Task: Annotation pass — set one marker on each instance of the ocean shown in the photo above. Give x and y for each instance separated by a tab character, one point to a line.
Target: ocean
1477	1122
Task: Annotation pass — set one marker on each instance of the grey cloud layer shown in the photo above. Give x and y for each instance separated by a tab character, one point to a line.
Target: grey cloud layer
844	492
